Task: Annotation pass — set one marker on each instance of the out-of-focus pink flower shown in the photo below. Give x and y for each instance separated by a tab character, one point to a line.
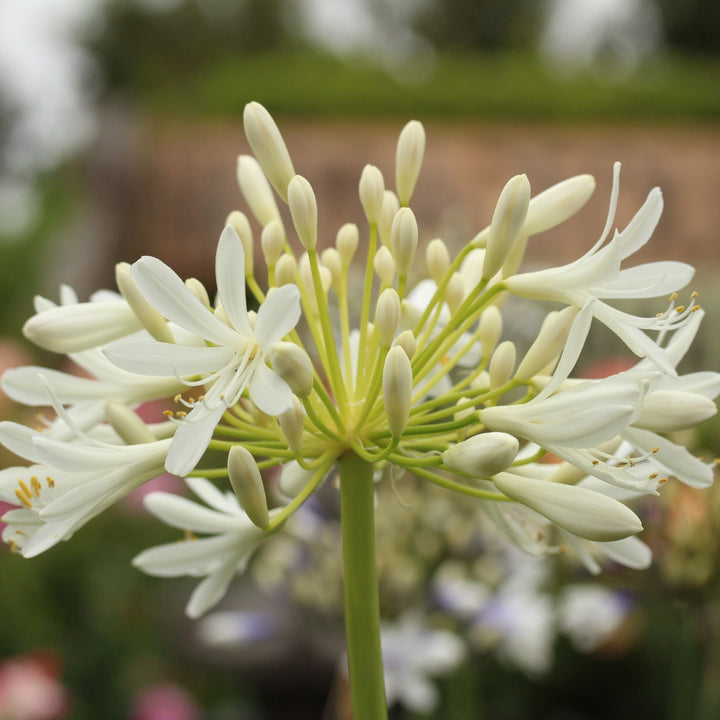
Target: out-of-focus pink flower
11	355
29	689
607	366
165	701
162	483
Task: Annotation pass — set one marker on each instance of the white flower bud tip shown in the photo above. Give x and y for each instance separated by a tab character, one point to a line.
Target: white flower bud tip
127	424
292	423
582	512
397	389
502	364
247	484
285	270
407	341
303	208
438	259
331	260
256	190
558	203
507	223
346	242
294	366
404	239
390	207
384	266
408	159
483	455
387	316
272	240
549	343
491	329
269	147
372	192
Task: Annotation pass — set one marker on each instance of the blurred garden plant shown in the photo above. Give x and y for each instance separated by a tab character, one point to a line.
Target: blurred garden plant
424	383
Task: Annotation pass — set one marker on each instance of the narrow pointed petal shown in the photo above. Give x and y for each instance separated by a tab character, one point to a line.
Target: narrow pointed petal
184	514
277	316
230	275
185	558
166	359
631	552
166	292
192	439
23	385
211	590
269	391
209	494
18	439
647	281
641	227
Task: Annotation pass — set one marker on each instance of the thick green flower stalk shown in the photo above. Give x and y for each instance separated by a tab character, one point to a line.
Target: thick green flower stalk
406	377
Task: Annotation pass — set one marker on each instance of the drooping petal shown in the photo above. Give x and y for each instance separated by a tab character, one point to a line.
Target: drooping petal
230	276
187	558
212	589
269	391
641	227
277	316
184	514
166	292
646	281
192	438
18	439
631	552
216	499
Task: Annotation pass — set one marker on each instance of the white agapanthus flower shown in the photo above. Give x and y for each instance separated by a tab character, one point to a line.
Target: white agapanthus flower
231	540
234	359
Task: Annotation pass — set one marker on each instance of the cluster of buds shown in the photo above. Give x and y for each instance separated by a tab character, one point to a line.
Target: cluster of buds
407	378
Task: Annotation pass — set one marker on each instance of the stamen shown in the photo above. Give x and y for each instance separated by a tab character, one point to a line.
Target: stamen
25	489
50	482
35	486
21	497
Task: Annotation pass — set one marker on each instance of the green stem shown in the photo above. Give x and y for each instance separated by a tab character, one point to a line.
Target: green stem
362	607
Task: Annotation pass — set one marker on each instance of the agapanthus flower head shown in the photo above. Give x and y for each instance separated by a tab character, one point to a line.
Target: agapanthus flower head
417	373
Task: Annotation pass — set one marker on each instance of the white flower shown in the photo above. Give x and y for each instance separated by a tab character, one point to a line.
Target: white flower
232	538
234	359
69	484
412	653
597	276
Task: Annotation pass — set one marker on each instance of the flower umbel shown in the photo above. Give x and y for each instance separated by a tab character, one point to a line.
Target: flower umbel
421	380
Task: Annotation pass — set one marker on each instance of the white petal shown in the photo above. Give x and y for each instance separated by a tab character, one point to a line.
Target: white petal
230	276
211	590
631	552
70	328
166	359
269	391
192	438
642	226
45	537
216	499
23	385
193	557
184	514
277	316
646	281
166	292
18	439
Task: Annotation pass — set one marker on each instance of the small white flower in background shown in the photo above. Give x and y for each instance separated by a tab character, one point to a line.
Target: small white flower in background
423	380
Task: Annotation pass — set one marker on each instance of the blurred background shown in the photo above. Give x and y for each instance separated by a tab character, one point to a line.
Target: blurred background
120	123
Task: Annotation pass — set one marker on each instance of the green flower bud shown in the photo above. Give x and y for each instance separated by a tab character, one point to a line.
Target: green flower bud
372	191
482	455
303	208
408	159
294	366
247	484
397	389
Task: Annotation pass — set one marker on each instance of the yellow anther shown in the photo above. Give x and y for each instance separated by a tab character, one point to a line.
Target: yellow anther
25	489
655	450
652	476
595	462
674	296
680	308
13	546
695	308
190	535
693	295
662	480
50	482
22	498
659	315
168	413
181	414
35	486
177	398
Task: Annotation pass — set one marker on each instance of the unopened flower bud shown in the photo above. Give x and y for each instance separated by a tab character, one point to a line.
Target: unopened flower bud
247	484
483	455
669	410
491	329
272	240
397	389
293	478
268	146
404	239
331	260
558	203
390	207
408	159
256	190
294	366
438	259
472	269
507	223
387	316
285	270
372	191
549	343
454	292
502	364
198	290
407	341
239	222
127	424
292	423
346	242
303	208
150	318
582	512
461	414
567	474
384	265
